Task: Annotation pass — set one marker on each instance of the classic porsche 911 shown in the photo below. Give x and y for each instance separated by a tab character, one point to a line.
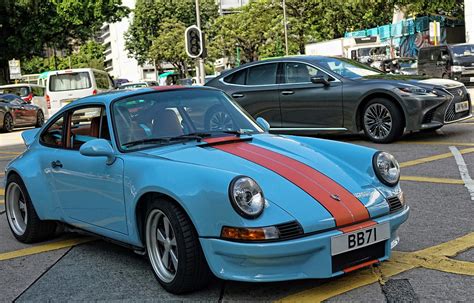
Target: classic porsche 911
145	169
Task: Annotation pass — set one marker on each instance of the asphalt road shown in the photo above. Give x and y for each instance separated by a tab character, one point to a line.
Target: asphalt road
434	260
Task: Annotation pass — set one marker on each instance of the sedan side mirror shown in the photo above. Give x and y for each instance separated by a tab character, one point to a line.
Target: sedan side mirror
98	148
320	80
263	124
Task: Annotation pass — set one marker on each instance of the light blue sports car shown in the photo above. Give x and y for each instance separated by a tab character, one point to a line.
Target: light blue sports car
186	176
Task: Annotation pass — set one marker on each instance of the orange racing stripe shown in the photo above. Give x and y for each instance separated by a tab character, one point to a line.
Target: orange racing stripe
348	210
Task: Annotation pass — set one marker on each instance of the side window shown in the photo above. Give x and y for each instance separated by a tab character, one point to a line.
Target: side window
237	78
263	74
86	124
300	73
101	80
435	53
53	135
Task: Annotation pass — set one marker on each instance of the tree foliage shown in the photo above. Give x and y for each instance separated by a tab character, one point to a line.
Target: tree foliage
149	17
90	54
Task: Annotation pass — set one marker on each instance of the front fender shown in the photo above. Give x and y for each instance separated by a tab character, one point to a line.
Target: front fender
201	191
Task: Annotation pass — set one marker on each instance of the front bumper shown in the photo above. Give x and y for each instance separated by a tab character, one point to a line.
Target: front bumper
307	257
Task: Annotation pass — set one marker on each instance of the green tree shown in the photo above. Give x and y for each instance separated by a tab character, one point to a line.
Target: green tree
28	26
168	46
149	15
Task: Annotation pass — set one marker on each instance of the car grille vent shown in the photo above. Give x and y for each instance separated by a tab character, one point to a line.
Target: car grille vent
451	114
290	230
394	203
459	94
428	116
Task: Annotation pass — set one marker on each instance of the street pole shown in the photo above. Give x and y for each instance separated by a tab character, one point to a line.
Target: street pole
200	70
286	29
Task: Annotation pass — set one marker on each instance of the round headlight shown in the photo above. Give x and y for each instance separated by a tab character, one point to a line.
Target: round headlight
386	168
246	197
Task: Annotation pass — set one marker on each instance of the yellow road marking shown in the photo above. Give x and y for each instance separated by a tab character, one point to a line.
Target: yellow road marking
435	257
438	143
6	157
434	158
10	153
468	123
43	248
2	192
2	201
431	180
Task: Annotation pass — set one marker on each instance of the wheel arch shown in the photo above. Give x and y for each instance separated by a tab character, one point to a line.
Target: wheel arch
381	94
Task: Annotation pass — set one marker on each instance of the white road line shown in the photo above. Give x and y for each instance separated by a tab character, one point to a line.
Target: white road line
468	182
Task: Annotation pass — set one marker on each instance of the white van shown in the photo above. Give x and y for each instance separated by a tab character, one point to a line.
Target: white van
65	86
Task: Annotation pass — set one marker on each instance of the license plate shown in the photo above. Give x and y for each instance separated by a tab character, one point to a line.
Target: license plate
461	106
360	238
471	79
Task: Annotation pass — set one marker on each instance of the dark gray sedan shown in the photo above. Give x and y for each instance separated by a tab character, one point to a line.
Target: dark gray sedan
15	112
312	94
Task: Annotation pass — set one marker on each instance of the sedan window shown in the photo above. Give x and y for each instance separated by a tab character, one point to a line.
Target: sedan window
263	74
300	73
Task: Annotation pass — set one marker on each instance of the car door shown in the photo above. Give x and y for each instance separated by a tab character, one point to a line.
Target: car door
29	112
90	192
308	105
16	107
256	90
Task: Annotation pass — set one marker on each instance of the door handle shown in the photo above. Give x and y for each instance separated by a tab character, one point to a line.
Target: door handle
236	95
287	92
56	164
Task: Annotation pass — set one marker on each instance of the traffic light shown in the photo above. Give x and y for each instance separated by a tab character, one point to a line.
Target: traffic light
194	41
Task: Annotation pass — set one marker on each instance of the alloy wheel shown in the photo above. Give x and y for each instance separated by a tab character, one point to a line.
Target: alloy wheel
17	212
8	123
378	121
40	119
220	121
161	245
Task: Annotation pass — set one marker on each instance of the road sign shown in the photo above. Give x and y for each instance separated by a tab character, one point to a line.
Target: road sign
194	41
15	69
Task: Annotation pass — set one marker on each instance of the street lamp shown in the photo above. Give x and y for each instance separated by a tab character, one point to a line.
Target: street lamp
286	27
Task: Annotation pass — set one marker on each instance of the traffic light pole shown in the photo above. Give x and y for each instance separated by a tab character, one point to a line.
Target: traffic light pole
200	70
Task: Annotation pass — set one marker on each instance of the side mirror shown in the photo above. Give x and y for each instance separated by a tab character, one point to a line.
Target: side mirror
263	124
98	148
320	80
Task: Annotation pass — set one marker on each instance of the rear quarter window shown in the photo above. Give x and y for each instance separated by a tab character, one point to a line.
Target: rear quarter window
237	77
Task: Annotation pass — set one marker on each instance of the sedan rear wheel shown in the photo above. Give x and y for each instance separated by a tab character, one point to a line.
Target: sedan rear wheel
39	119
218	119
22	218
7	123
382	121
173	248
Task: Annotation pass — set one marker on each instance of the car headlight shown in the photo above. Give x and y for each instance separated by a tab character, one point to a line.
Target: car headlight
386	168
246	197
414	90
457	69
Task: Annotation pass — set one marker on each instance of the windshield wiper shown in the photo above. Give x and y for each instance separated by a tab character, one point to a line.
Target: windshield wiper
146	141
236	132
191	136
167	140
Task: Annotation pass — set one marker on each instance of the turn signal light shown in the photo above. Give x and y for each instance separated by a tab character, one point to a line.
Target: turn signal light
250	234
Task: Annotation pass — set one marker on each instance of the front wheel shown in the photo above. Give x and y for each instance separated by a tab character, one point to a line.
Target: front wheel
39	119
22	218
173	249
382	121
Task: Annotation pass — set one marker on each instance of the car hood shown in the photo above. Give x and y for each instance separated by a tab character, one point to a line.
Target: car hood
279	188
397	79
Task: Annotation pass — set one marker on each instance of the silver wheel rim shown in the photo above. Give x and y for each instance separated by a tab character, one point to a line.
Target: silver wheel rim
8	122
221	121
161	245
17	213
378	121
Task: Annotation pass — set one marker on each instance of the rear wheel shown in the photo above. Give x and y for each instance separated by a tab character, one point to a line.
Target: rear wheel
217	118
7	123
39	119
24	223
382	121
173	248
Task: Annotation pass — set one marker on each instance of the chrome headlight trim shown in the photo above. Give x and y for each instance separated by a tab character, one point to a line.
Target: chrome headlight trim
246	197
386	168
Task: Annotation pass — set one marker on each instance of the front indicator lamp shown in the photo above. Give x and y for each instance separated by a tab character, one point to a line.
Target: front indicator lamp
250	234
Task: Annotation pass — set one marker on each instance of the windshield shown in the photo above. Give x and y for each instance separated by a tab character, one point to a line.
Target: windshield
463	50
142	120
21	91
347	68
133	85
69	81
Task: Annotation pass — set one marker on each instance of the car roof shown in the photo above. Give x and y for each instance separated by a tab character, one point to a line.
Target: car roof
19	85
109	97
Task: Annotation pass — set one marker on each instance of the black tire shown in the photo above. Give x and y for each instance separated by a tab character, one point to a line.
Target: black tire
36	229
39	119
384	134
193	272
217	118
7	123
